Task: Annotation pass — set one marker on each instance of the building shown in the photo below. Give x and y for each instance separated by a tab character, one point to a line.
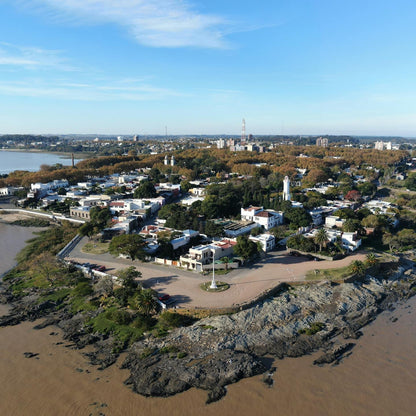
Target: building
334	221
322	141
80	212
286	189
267	241
8	190
265	218
205	254
172	161
220	144
166	161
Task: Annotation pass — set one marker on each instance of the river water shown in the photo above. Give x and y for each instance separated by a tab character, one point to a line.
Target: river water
379	378
31	161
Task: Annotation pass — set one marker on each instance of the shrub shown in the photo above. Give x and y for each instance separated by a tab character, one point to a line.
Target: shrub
82	289
118	316
313	328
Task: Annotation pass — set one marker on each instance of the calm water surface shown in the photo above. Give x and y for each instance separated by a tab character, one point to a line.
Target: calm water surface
31	161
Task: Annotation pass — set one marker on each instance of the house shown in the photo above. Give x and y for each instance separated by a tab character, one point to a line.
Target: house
267	241
334	221
266	218
95	201
80	212
204	254
9	190
233	229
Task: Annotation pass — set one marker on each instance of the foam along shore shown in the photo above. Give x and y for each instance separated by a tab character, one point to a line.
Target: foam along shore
220	350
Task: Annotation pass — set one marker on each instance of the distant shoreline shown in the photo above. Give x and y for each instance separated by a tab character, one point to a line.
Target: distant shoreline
67	155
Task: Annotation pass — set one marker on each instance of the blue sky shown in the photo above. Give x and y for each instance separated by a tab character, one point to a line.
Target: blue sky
199	66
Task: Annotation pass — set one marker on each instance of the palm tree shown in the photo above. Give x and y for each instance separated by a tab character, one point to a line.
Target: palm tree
226	260
357	267
371	260
146	301
321	238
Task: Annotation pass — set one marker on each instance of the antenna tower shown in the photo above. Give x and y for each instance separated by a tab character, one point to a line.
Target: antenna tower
243	131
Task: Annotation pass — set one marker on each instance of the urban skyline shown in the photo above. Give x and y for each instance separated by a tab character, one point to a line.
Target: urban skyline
198	67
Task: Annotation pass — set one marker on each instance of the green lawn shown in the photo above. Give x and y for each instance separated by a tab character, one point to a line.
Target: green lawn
328	274
94	247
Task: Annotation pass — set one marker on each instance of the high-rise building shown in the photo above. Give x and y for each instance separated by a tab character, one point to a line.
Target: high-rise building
379	145
322	141
221	144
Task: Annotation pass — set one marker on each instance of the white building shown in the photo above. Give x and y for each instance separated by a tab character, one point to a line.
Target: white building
286	189
334	221
220	144
267	241
266	218
8	190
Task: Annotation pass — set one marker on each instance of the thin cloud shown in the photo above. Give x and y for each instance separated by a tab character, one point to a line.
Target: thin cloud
156	23
32	57
85	92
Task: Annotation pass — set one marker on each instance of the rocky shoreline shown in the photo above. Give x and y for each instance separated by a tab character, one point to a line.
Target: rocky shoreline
220	350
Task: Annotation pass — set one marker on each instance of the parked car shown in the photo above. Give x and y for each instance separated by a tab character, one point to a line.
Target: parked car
99	268
164	298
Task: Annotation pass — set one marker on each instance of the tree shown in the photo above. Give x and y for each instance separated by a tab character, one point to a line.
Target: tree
371	260
345	213
100	216
245	248
145	190
357	267
87	229
371	221
145	301
391	240
128	277
351	225
353	195
226	260
128	244
321	238
367	188
300	242
298	217
213	230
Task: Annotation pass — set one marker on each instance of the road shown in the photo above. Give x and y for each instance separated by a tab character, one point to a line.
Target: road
245	283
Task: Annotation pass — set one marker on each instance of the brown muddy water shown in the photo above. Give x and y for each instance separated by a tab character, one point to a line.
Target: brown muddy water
12	240
379	378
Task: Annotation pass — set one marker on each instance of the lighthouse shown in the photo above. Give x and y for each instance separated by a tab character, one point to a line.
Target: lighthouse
286	188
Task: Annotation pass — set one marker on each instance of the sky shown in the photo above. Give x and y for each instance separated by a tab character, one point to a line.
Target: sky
201	66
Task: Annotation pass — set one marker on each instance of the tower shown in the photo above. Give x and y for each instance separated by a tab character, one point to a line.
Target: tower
286	188
166	162
172	161
243	131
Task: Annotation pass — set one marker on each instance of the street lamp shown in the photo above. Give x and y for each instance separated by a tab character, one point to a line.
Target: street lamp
213	284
